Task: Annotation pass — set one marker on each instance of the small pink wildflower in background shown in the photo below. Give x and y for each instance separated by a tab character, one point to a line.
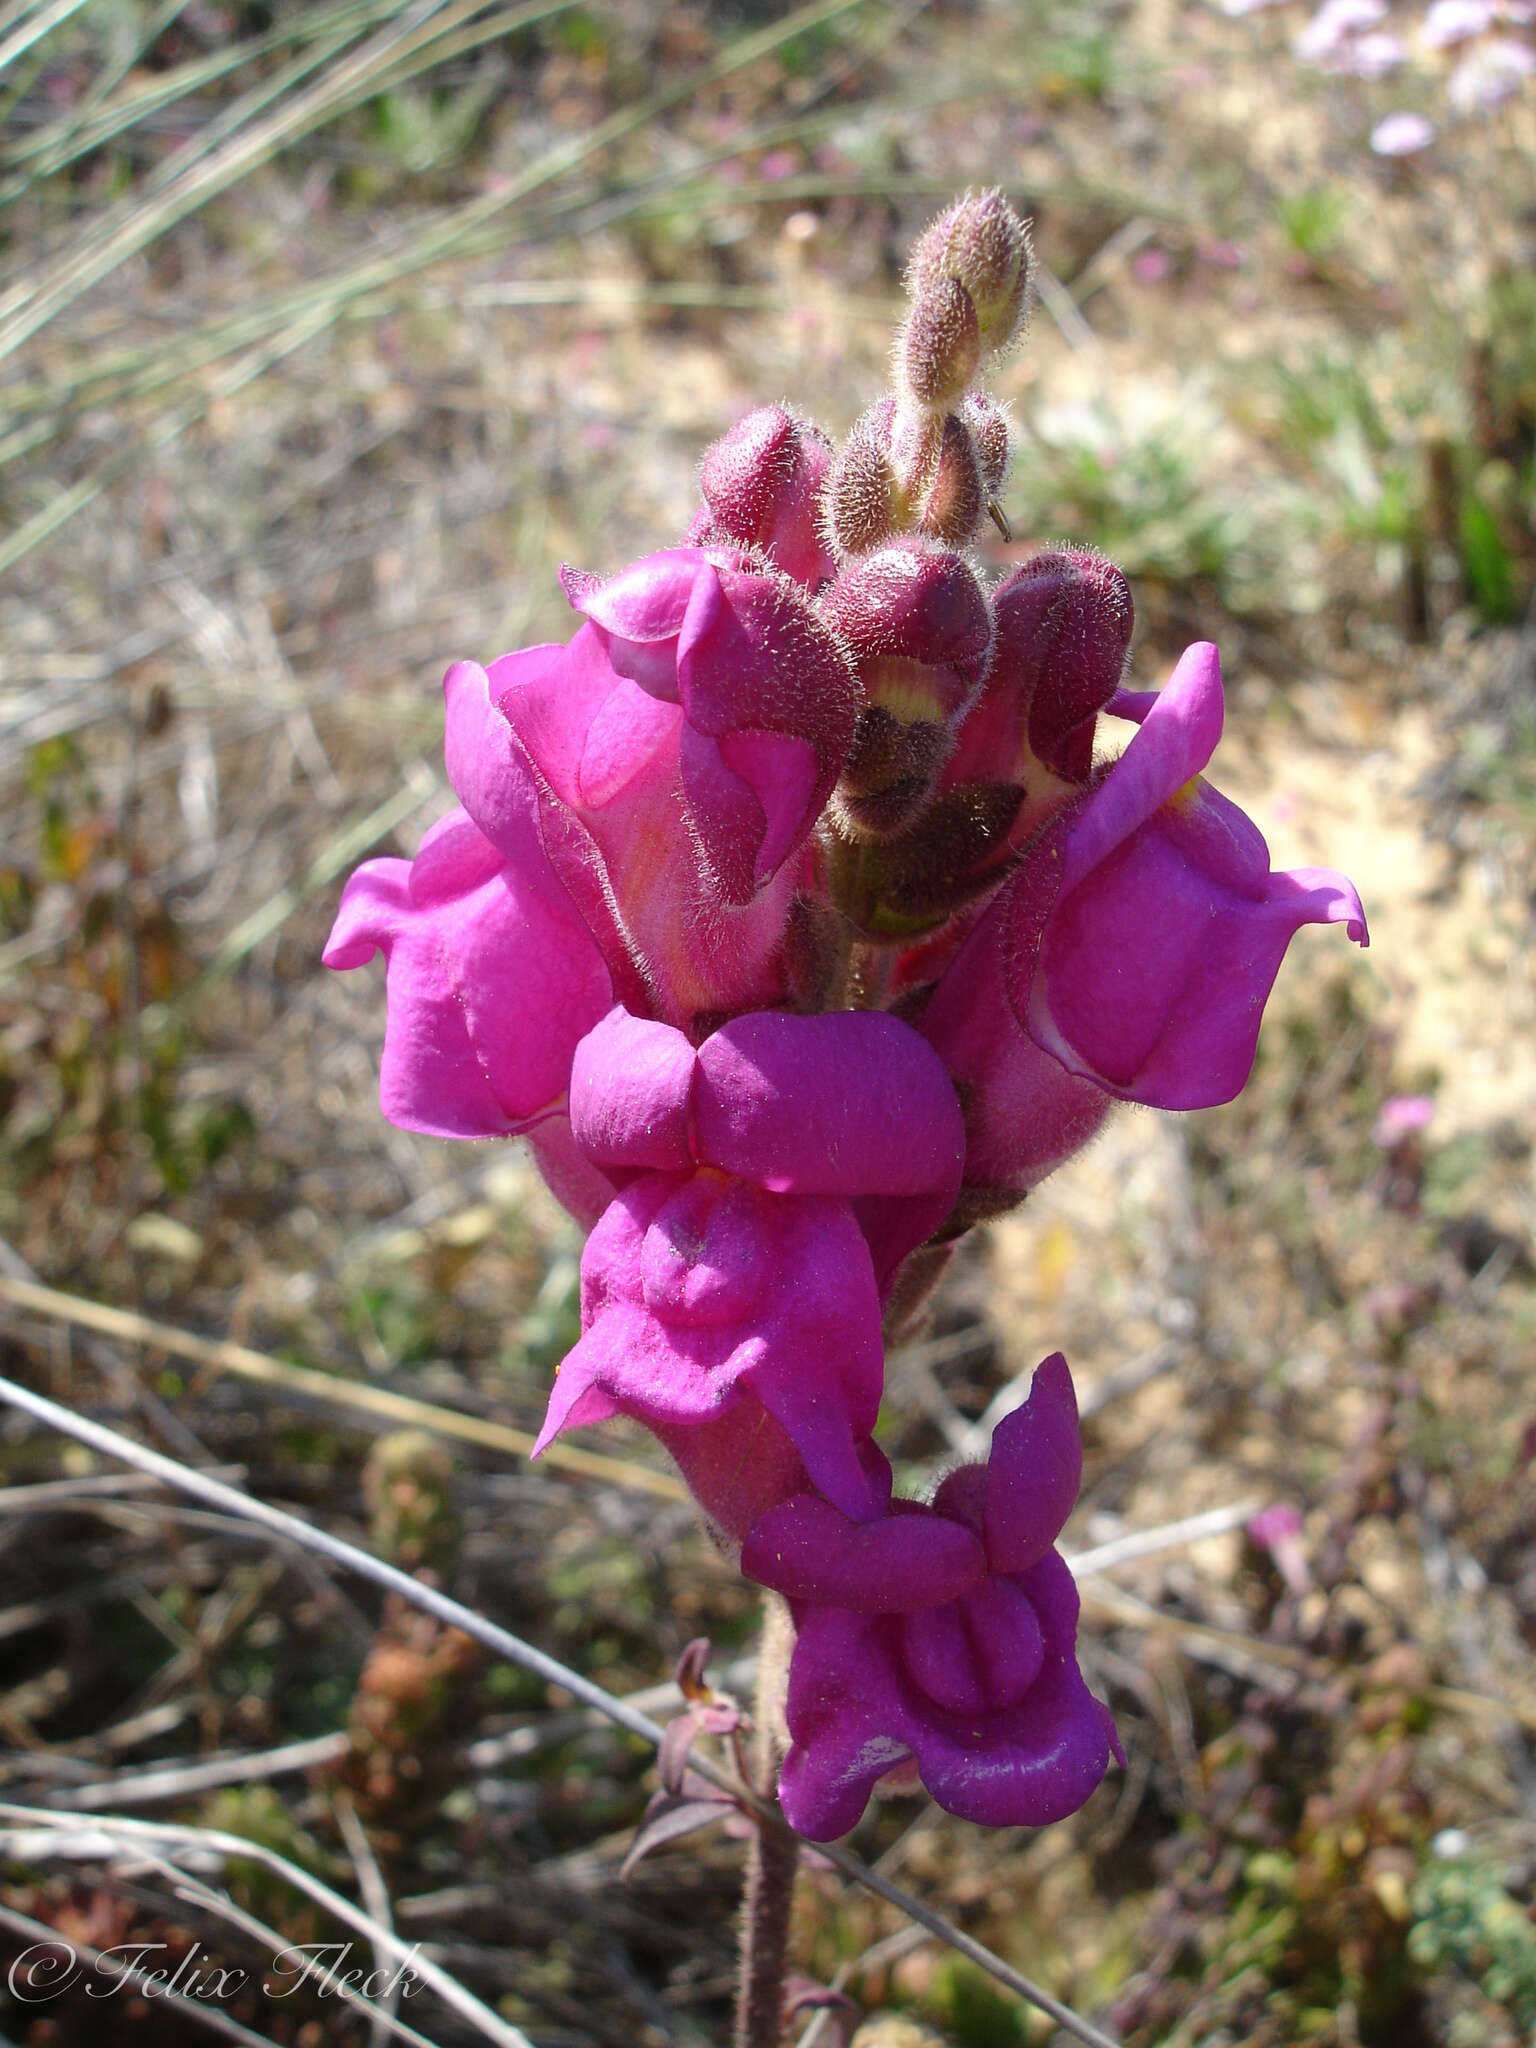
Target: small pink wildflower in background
1402	135
1401	1117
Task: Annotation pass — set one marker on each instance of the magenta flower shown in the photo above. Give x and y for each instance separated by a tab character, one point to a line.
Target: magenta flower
1145	927
767	697
491	979
682	747
1024	1112
768	1194
942	1636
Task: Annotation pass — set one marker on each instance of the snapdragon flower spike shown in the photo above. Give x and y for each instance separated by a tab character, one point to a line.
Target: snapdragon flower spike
942	1637
766	1198
491	978
1145	928
761	484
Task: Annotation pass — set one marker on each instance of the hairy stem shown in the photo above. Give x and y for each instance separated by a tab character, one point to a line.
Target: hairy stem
772	1858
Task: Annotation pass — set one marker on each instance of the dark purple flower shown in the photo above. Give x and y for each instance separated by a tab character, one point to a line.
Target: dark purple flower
942	1636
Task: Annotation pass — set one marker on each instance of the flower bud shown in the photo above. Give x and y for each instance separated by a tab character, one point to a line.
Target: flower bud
984	245
862	501
905	470
918	625
988	424
955	501
939	348
761	485
917	621
1064	628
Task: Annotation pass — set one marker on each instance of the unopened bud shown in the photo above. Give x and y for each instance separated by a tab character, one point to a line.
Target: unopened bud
862	501
989	435
905	470
981	242
939	348
919	627
1063	631
762	485
955	500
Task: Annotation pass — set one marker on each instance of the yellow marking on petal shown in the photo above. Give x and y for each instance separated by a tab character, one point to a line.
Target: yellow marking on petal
1189	797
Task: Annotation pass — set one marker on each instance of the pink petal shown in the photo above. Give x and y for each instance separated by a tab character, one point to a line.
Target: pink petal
806	1550
631	1084
491	980
1035	1471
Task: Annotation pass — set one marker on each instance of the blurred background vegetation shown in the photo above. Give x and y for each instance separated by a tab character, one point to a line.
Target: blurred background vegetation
326	332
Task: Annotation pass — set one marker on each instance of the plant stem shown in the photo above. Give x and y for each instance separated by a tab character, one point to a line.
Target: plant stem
771	1860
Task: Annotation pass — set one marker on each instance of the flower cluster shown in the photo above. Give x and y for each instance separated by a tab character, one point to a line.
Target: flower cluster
798	916
1478	44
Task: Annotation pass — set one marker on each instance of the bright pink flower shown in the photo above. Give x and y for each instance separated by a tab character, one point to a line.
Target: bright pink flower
943	1636
768	1193
1146	928
767	698
683	746
491	980
1024	1112
761	485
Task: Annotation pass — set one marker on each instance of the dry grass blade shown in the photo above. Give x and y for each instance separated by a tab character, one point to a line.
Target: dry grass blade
516	1651
169	1835
203	168
134	1328
108	111
300	316
29	32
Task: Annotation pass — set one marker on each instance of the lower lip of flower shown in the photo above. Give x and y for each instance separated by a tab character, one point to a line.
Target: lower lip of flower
978	1654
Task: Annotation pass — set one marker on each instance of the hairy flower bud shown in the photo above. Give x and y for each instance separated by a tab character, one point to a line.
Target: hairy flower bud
920	631
1063	631
939	348
761	485
862	502
988	425
906	470
955	501
983	244
918	623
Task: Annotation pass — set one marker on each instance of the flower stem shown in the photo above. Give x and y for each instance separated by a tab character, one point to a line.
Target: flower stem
771	1860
